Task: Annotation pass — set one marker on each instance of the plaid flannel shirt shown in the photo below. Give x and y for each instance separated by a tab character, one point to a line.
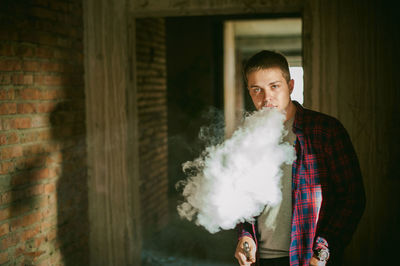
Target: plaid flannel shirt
327	190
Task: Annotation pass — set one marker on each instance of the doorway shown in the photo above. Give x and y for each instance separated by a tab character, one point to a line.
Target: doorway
244	38
185	92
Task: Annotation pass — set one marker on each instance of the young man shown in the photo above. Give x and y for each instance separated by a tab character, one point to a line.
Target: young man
322	192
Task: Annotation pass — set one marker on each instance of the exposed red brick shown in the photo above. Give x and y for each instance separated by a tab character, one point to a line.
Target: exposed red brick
151	75
18	195
26	220
22	79
8	34
12	138
56	67
4	229
45	52
46	224
33	190
40	121
6	123
49	188
26	108
53	260
19	251
51	210
46	107
53	94
28	136
5	214
10	65
7	49
52	234
54	158
33	149
39	240
22	122
41	68
51	80
44	135
42	174
6	197
10	241
6	94
38	37
36	161
25	51
10	152
5	78
6	167
3	139
8	108
20	209
53	172
3	257
28	94
30	176
31	136
31	66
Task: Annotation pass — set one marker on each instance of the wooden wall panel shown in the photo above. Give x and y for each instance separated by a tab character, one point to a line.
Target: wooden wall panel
353	73
111	135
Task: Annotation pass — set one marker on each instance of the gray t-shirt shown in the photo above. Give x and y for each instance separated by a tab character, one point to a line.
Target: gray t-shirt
274	224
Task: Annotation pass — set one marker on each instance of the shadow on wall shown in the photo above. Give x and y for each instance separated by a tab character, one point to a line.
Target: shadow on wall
46	202
68	130
52	190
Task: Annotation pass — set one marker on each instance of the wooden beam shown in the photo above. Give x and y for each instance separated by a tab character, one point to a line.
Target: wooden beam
157	8
112	143
229	79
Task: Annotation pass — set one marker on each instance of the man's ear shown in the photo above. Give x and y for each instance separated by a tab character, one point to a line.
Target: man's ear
291	86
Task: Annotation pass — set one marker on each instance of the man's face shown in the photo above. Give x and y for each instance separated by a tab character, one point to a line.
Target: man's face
268	88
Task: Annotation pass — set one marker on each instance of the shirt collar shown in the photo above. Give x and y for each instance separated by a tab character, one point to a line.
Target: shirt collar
298	119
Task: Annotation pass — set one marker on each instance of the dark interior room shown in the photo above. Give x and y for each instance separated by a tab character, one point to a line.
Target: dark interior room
103	102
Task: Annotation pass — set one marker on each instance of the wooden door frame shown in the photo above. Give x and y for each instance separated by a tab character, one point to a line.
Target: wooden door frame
114	48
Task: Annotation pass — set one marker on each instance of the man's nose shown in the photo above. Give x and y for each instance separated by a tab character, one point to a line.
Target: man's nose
267	95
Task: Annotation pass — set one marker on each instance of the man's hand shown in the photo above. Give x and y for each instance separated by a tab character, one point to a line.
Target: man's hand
316	262
240	254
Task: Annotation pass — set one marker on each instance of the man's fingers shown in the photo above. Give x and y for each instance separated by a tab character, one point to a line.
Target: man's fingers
252	255
242	259
315	262
240	253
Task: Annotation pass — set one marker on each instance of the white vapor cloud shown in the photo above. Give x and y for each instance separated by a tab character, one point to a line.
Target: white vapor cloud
233	181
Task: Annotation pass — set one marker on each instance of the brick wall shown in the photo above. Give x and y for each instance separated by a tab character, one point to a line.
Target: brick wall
152	107
43	180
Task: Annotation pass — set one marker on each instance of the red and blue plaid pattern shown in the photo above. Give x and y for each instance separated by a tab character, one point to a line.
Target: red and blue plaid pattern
327	189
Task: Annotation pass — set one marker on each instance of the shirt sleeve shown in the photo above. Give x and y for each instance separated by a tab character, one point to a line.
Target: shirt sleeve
243	230
344	197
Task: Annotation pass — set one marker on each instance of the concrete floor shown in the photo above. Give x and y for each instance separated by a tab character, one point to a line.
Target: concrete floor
183	243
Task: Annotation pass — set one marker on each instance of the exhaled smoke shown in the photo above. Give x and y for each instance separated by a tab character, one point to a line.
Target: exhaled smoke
233	181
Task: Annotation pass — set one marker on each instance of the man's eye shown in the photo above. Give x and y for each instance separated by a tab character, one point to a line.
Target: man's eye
256	90
274	86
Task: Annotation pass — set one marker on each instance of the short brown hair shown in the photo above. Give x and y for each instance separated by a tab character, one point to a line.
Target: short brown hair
267	59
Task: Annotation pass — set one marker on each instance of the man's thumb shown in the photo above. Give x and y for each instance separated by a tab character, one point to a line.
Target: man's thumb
253	255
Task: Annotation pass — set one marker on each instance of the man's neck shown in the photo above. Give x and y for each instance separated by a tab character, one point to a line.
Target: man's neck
290	111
